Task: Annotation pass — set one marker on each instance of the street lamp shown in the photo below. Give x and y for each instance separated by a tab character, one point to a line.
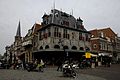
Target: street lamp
61	43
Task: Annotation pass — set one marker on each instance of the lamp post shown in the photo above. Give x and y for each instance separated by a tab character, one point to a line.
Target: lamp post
61	43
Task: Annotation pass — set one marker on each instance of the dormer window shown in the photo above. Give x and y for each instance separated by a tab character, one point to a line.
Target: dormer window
56	14
92	36
66	23
101	34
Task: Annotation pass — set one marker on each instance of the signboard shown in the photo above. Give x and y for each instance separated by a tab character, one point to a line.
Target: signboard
88	55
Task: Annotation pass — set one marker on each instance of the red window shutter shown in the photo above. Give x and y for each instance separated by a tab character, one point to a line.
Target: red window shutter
80	37
83	38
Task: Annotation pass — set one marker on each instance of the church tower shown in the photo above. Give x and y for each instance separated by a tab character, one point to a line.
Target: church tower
17	43
18	33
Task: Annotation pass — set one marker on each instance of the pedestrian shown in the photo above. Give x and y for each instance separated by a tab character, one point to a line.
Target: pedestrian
109	62
59	66
24	65
14	66
40	65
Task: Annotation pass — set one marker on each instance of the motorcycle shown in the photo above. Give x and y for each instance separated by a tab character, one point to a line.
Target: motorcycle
31	67
68	71
34	67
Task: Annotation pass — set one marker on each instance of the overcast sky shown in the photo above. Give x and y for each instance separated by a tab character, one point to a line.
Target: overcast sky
95	14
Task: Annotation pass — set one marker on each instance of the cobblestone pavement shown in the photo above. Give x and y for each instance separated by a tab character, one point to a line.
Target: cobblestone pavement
109	73
48	74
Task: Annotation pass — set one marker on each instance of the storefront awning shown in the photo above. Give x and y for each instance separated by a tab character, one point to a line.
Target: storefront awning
105	54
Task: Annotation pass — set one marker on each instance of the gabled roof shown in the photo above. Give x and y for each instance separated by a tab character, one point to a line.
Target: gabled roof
104	29
108	32
108	29
34	29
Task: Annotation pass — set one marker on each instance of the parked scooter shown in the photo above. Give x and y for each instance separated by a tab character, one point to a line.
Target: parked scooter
35	67
19	66
31	67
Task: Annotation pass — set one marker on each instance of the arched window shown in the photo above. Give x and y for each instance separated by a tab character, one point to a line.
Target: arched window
57	47
74	47
65	47
41	47
46	47
81	48
87	49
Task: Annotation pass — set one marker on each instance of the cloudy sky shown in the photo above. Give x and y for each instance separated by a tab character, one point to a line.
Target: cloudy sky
95	14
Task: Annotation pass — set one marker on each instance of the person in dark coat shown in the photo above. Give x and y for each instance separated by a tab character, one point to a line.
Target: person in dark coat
59	66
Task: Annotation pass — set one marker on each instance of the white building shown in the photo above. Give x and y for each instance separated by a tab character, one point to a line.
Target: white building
61	36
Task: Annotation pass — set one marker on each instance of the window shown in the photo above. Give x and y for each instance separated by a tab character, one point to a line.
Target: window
83	38
80	36
81	26
73	35
59	35
56	14
101	34
100	46
86	37
49	33
41	47
65	47
66	23
46	47
45	35
65	35
92	36
94	46
87	48
56	32
74	47
40	36
81	48
57	47
68	36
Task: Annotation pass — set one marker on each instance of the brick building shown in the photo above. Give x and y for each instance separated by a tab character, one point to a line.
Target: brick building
103	42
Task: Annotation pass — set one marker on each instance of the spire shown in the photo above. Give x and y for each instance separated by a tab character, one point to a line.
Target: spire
18	30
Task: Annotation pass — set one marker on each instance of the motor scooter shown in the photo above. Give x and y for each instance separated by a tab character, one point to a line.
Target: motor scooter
68	71
31	67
